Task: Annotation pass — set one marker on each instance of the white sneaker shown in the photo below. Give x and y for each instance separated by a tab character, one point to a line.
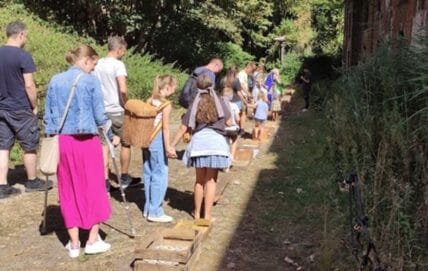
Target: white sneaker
160	219
72	252
98	247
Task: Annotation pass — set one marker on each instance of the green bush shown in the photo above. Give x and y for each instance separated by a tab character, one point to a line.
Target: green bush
292	65
289	69
48	43
143	69
233	55
378	117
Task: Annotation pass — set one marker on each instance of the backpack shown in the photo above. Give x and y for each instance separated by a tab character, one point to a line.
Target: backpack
138	124
189	91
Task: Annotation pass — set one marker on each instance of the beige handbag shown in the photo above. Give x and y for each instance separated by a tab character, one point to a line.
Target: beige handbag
49	150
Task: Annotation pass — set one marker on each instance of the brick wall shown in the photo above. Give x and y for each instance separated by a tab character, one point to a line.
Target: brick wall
370	22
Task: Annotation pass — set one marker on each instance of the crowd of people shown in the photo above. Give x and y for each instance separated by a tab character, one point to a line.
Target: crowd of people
216	115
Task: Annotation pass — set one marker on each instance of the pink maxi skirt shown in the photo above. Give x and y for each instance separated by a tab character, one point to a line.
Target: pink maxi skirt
81	182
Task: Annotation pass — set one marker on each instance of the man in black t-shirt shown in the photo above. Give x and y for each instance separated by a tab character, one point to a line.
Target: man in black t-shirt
18	108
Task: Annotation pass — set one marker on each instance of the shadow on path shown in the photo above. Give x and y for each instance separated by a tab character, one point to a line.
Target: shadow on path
55	224
280	226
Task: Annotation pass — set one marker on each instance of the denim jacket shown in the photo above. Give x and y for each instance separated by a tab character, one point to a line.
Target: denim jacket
86	111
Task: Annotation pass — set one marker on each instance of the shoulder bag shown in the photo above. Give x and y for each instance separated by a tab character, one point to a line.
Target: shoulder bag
49	150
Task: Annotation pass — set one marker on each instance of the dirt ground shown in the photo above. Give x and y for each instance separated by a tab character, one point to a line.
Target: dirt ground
238	240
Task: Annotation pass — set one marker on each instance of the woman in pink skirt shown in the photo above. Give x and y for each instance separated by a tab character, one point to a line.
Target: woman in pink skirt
81	182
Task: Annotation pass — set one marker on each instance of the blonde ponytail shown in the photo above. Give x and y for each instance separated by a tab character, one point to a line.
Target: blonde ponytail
160	82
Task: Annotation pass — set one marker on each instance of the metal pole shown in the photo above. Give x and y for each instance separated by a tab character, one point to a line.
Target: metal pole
119	181
44	229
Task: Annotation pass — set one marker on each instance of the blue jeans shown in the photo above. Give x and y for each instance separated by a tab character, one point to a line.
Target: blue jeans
155	172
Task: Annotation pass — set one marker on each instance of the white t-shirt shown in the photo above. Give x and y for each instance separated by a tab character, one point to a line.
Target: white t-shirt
158	118
107	70
234	111
243	79
257	90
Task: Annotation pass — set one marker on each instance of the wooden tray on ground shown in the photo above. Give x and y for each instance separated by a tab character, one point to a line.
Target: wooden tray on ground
270	131
172	245
243	157
249	143
244	154
289	91
202	225
146	265
271	124
286	99
172	249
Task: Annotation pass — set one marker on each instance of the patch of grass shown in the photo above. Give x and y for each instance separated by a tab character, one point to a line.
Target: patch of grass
16	154
302	159
301	192
378	114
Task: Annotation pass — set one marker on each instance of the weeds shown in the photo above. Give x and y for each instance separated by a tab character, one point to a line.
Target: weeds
378	115
48	43
311	198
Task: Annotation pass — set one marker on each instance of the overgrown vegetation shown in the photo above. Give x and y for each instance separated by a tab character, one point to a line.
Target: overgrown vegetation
378	114
190	32
303	200
48	43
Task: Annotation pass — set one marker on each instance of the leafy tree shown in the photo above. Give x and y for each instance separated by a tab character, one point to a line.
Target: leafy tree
233	55
188	32
255	15
328	23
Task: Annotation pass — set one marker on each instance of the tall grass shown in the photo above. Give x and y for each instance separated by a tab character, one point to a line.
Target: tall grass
378	113
48	43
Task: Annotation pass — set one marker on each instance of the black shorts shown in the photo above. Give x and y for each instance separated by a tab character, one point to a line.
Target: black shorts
20	125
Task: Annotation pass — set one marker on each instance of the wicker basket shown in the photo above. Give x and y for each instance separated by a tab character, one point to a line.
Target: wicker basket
139	129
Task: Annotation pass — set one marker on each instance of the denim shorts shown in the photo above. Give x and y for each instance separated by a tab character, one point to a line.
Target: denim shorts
259	121
20	125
